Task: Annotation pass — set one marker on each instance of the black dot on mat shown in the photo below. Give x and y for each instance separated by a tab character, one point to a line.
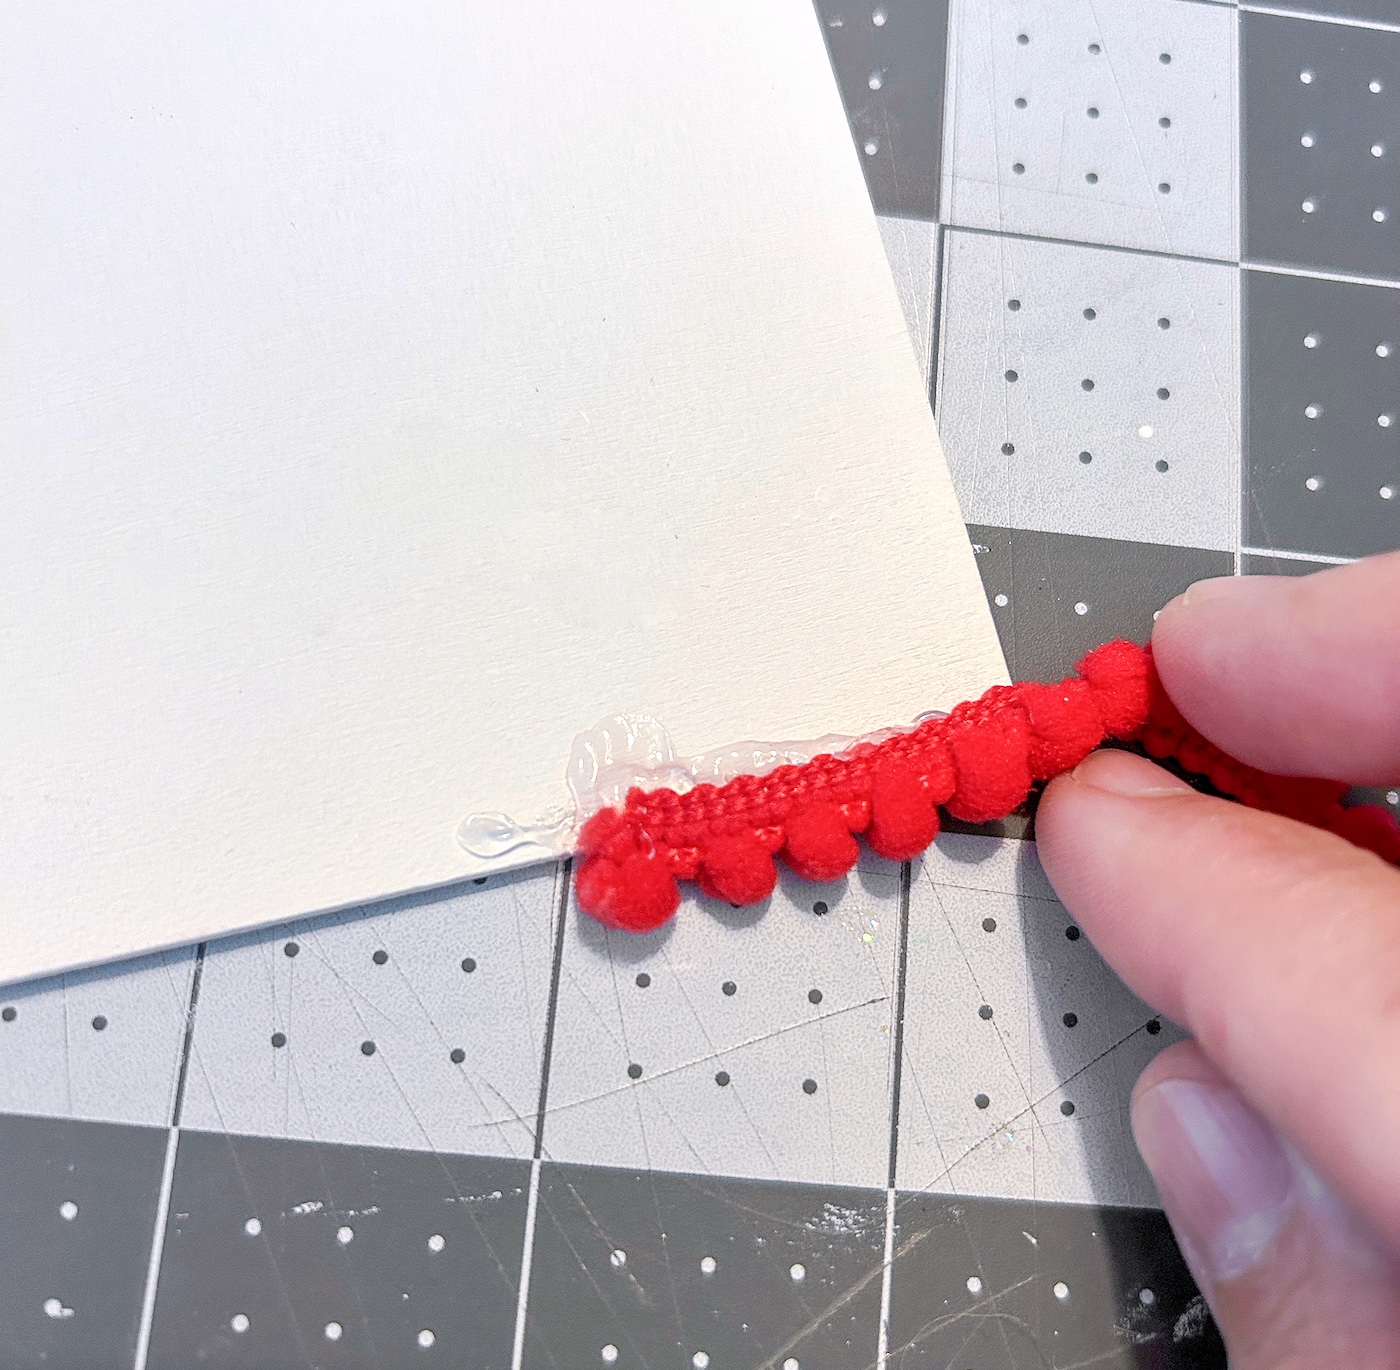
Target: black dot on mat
809	1086
279	1040
1095	49
1012	377
729	987
1161	465
1165	59
481	879
1020	102
1164	393
819	907
982	1101
1093	112
1023	38
1008	449
814	996
984	1012
1164	323
1154	1027
99	1023
1086	384
1013	305
1091	314
1067	1108
1092	177
380	958
8	1013
1085	458
1070	1020
989	925
634	1071
290	949
1019	168
367	1048
1164	188
468	965
1164	122
457	1056
1072	933
721	1078
643	980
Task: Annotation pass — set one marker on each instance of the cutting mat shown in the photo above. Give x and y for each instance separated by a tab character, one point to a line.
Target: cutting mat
1148	260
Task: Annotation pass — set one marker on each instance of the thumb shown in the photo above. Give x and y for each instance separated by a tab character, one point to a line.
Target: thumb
1294	1282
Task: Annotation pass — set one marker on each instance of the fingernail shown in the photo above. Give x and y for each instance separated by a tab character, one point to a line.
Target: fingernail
1225	1180
1204	590
1123	773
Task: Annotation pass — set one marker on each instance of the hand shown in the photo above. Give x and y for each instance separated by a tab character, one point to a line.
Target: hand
1274	1135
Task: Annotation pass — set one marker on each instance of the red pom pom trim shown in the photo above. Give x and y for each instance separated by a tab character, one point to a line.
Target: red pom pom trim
978	763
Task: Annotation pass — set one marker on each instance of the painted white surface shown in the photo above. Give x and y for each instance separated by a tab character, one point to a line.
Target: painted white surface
383	401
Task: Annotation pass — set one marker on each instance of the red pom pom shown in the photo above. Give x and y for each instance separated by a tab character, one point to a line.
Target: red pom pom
993	771
819	844
639	895
608	834
903	816
1120	674
1371	827
1065	726
737	869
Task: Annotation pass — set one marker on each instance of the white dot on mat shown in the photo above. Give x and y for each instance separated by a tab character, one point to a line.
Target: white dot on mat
252	1227
1385	420
1145	431
333	1331
1061	1290
791	1363
56	1308
1081	608
700	1360
1380	215
877	79
1001	601
436	1242
871	147
239	1322
1375	87
1156	614
1383	349
974	1285
1312	411
1387	492
618	1259
609	1354
1311	340
1313	483
707	1265
1147	1298
1306	77
1309	205
1377	149
1307	140
426	1338
1392	797
68	1210
798	1271
345	1235
878	18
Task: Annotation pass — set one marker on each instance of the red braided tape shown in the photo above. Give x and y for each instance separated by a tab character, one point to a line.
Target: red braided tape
978	763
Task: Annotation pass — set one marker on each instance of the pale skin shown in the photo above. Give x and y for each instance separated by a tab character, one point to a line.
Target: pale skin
1274	1134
